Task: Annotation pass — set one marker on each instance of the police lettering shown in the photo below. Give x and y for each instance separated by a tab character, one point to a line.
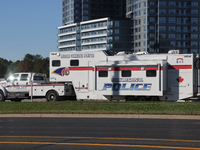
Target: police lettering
124	86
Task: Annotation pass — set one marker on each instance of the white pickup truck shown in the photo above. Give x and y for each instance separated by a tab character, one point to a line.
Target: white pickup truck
25	85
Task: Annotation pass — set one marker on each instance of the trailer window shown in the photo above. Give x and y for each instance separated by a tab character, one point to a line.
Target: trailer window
74	62
103	73
24	77
126	73
151	73
55	63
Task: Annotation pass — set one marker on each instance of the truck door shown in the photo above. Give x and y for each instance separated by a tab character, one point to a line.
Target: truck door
23	82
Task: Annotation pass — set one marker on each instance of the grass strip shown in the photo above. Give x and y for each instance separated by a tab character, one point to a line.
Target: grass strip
101	107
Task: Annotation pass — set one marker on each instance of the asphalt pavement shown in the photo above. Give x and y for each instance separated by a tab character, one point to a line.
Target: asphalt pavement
98	133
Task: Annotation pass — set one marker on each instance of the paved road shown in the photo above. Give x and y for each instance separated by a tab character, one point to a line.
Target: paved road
98	133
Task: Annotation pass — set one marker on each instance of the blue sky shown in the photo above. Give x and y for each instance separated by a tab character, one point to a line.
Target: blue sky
29	26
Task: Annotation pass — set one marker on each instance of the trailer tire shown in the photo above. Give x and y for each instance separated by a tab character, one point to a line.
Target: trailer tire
52	96
154	98
142	98
2	98
130	98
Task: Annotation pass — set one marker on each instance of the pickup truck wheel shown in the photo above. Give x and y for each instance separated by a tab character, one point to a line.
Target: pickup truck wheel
2	98
52	96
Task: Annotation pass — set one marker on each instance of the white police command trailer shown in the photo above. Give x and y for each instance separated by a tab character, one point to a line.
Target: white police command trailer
25	85
96	75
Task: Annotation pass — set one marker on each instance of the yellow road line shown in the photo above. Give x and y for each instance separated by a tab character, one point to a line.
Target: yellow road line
105	138
96	144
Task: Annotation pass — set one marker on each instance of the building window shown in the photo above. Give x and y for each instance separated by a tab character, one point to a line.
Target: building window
172	3
144	36
144	43
178	28
151	28
171	28
145	4
162	19
194	4
185	29
152	19
116	23
116	38
172	11
194	20
184	44
162	3
144	28
178	36
152	3
162	28
185	20
162	36
116	31
194	51
194	11
194	36
185	36
85	12
194	43
85	6
151	35
144	20
178	20
194	28
162	11
145	11
172	43
171	36
172	19
178	44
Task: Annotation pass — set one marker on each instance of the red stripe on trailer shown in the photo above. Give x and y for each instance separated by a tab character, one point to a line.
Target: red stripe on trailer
81	68
180	67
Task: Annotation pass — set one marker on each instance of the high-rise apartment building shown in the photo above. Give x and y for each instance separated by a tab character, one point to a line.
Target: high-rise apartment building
98	34
162	25
82	10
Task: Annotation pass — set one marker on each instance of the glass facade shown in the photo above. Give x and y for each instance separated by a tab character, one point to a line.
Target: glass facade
170	24
83	10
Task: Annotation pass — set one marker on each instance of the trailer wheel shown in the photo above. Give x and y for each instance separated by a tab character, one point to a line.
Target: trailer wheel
2	98
142	98
130	98
154	98
52	96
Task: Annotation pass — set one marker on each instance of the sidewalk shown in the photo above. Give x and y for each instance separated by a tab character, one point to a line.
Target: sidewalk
145	116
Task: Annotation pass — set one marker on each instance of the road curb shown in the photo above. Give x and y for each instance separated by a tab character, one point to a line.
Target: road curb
142	116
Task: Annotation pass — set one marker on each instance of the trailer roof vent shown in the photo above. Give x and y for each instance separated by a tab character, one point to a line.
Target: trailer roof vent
173	52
